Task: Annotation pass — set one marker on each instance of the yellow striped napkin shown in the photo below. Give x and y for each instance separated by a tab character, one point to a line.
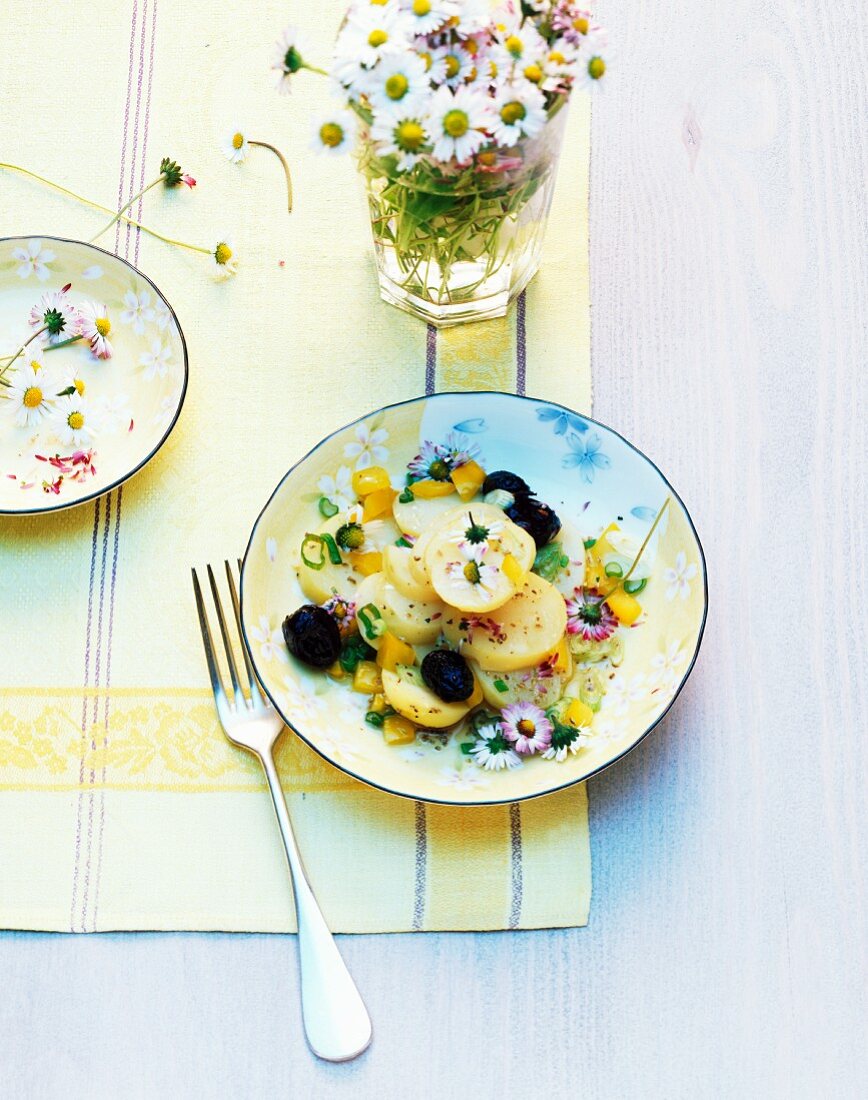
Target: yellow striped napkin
121	804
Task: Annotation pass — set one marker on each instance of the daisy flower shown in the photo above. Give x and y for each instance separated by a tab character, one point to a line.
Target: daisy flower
225	263
519	111
471	570
427	16
71	383
30	393
526	727
56	313
522	43
156	361
454	62
333	134
565	740
559	67
367	448
577	26
471	18
94	325
137	310
235	146
371	33
458	450
430	464
343	612
338	489
287	59
456	122
590	616
399	82
74	423
492	751
592	66
435	63
33	259
401	135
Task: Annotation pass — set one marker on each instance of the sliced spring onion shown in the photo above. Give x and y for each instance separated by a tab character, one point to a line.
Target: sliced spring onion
632	587
332	547
501	686
407	496
403	542
371	619
327	507
308	541
373	718
589	543
613	569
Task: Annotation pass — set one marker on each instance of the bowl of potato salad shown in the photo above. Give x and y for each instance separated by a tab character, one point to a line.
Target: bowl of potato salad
473	598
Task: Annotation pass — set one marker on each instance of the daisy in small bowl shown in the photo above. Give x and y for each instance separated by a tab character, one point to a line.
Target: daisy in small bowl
235	146
526	727
333	134
589	616
56	314
456	123
31	393
402	135
73	421
399	82
94	325
519	111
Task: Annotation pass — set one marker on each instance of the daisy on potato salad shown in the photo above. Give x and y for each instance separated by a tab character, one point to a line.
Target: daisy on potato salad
460	603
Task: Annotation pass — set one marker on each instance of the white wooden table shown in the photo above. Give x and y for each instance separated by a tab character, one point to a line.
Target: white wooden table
726	950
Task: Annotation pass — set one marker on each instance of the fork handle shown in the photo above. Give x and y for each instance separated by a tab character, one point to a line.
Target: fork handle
336	1021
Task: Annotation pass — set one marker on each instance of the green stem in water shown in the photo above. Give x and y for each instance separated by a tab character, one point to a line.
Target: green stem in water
64	343
282	159
105	209
623	580
117	217
12	358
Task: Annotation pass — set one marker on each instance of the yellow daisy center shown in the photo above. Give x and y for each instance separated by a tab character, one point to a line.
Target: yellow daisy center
556	57
488	158
471	572
237	141
222	253
35	364
331	134
453	65
533	73
512	112
377	38
396	86
410	136
79	386
580	25
32	397
526	728
103	326
493	65
76	421
428	59
471	45
472	75
421	7
515	45
456	123
596	68
380	3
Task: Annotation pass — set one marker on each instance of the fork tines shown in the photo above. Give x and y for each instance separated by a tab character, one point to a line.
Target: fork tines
217	682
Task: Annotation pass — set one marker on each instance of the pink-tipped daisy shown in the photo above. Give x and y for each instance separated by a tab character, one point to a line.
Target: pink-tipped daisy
590	616
526	727
56	313
94	325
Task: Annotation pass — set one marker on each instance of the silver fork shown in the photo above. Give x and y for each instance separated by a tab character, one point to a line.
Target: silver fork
336	1021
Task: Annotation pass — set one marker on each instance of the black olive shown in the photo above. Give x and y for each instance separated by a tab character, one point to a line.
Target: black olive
538	519
448	675
313	636
511	483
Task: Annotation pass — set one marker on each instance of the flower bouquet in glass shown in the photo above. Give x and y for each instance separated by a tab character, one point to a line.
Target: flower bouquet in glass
459	115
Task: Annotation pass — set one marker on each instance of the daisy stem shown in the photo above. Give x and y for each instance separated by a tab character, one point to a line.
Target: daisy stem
310	69
623	580
105	209
124	209
282	159
12	358
64	343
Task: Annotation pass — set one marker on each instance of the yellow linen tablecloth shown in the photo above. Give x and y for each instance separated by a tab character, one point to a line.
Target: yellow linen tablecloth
121	804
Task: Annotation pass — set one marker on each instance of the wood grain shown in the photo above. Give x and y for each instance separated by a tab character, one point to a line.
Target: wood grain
726	951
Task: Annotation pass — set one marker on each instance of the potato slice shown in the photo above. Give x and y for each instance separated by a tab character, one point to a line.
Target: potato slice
414	516
573	575
396	566
320	585
417	622
520	633
411	697
525	685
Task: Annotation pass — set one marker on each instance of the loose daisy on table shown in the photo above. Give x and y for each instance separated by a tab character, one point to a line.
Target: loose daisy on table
287	59
73	421
95	326
56	314
31	393
225	262
235	146
526	727
333	134
457	122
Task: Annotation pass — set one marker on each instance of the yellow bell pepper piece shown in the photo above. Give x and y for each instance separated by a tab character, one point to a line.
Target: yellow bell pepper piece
625	608
398	730
578	714
367	563
428	490
378	703
512	570
562	657
336	671
476	695
468	479
367	679
377	504
370	480
394	652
